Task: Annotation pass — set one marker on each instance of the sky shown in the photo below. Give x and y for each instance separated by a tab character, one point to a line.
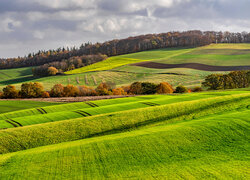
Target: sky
31	25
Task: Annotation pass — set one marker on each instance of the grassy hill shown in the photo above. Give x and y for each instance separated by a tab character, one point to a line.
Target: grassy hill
199	135
118	69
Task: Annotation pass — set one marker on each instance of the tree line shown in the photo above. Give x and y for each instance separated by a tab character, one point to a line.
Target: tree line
36	90
58	67
129	45
235	79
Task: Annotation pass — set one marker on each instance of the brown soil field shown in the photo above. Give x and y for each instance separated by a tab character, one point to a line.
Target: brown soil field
197	66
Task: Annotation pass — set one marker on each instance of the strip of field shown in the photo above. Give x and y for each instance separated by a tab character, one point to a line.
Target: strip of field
17	139
197	66
212	147
15	105
73	111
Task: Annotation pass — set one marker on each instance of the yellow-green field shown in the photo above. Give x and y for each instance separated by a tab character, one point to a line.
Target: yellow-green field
198	136
118	69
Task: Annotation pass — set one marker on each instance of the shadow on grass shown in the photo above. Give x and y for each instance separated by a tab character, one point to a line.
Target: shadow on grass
19	80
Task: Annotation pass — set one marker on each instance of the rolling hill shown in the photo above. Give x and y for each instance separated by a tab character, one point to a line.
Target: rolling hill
122	69
198	135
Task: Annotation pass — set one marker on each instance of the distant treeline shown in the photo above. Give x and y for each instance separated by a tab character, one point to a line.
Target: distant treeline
58	67
129	45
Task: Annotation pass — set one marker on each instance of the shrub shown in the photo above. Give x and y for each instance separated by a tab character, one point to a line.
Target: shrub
104	89
164	88
10	92
118	91
197	89
235	79
31	90
52	71
86	91
148	88
181	89
70	91
57	91
136	88
1	95
45	95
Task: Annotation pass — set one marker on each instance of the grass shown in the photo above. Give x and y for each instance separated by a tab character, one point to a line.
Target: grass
122	60
208	147
78	110
17	139
118	69
10	106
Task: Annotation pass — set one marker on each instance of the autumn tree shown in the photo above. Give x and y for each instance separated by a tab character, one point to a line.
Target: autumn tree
181	89
31	90
164	88
86	91
104	89
57	91
118	91
52	71
136	88
70	91
10	91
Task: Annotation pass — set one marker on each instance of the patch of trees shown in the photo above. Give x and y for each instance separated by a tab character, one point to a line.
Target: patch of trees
128	45
235	79
36	90
58	67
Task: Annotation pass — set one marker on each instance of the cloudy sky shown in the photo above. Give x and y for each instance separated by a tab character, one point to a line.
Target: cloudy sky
29	25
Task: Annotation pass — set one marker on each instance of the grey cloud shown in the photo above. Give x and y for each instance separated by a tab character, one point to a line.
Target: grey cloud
30	25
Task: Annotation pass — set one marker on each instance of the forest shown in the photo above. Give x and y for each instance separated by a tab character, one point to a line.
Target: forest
129	45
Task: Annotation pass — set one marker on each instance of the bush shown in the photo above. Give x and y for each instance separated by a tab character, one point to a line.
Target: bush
164	88
104	89
181	89
86	91
57	90
197	89
52	71
10	92
118	91
45	95
31	90
136	88
148	88
235	79
1	95
70	91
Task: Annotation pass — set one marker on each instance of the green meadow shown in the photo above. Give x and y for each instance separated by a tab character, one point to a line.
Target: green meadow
189	136
118	69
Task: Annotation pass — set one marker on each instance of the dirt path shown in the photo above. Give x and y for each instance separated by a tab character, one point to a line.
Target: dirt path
197	66
70	99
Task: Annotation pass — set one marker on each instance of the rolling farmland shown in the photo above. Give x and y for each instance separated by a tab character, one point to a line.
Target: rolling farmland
199	135
121	71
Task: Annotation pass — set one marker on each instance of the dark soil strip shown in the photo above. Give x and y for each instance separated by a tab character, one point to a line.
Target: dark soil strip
11	123
197	66
44	110
40	111
91	104
80	113
150	104
85	112
16	122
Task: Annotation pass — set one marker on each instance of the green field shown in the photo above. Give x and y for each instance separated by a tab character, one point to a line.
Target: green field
190	136
9	106
118	69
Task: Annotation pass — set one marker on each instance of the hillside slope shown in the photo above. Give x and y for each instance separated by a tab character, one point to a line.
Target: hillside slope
212	146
